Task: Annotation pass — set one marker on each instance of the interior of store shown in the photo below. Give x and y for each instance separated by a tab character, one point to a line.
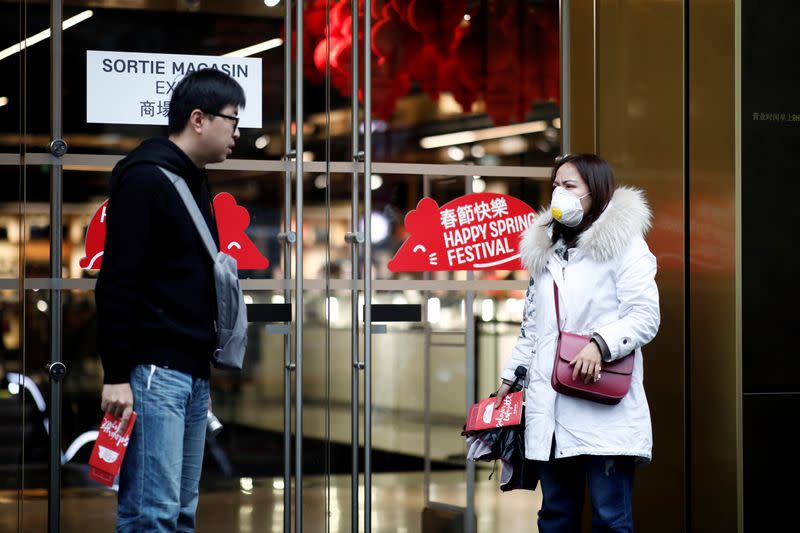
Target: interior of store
463	88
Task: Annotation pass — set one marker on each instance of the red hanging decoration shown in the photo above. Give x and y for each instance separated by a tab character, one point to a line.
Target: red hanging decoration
505	52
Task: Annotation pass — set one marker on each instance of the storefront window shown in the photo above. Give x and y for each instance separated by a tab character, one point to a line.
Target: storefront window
452	82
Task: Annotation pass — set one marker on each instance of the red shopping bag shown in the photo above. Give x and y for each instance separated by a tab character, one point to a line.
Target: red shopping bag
483	415
109	449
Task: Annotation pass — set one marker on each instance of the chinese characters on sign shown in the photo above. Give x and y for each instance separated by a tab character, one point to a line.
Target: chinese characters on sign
776	117
479	211
474	232
151	109
142	85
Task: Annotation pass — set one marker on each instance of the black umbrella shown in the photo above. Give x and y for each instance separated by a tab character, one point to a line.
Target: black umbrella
506	444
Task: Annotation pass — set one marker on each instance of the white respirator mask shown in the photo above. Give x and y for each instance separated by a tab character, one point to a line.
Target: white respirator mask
566	207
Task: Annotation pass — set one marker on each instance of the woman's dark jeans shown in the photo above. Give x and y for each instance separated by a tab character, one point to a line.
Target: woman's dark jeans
610	481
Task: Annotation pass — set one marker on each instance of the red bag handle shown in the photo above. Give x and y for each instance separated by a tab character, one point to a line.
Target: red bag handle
555	297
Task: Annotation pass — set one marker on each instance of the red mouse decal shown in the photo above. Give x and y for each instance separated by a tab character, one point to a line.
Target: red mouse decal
232	220
474	232
95	239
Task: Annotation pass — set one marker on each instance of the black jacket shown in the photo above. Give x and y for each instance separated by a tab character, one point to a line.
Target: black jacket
155	293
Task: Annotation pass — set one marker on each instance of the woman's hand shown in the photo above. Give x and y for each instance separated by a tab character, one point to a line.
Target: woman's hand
587	364
501	393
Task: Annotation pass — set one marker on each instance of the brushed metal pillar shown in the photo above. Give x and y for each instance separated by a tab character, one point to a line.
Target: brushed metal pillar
56	198
354	273
714	290
470	396
298	424
640	62
367	266
566	89
287	272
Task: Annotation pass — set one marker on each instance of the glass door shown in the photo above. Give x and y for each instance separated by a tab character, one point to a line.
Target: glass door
357	377
408	351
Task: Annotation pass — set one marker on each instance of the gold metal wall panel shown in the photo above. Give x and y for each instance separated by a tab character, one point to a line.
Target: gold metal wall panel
582	72
640	132
714	385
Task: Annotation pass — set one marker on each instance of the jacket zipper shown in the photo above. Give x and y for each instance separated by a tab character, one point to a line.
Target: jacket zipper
564	281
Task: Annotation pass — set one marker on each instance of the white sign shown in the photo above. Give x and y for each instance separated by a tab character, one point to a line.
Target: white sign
135	88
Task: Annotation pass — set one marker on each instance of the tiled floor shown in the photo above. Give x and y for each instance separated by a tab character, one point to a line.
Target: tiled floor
257	506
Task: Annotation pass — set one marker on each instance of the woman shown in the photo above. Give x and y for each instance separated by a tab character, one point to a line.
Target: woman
591	243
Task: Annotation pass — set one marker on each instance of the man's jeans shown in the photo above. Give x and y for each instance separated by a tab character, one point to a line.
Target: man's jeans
158	485
610	487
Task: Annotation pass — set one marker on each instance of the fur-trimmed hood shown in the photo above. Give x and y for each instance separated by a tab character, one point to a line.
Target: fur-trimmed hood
627	215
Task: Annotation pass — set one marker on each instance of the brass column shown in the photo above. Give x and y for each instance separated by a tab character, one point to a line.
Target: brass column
654	92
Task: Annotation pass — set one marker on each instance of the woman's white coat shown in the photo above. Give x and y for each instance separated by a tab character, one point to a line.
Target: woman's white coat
607	286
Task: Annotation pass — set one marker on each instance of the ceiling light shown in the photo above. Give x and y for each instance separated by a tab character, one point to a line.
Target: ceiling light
376	181
378	126
271	3
42	35
262	142
513	145
321	181
256	48
434	310
487	310
455	153
478	185
379	226
3	101
246	485
477	151
471	136
332	309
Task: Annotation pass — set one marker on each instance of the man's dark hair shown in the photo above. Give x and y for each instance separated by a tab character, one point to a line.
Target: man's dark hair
599	177
207	89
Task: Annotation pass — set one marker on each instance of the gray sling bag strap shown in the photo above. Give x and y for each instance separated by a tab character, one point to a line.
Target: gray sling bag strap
231	323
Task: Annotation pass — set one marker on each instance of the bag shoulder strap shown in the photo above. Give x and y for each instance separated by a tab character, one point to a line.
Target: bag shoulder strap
194	211
555	298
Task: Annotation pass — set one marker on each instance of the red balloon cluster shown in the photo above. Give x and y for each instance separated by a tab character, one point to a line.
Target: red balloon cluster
505	52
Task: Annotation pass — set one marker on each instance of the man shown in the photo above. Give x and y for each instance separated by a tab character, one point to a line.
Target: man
156	304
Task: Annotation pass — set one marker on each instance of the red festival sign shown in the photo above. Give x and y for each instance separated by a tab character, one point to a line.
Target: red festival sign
232	220
474	232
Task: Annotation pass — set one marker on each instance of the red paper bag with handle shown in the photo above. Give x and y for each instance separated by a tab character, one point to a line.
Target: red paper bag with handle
483	415
109	449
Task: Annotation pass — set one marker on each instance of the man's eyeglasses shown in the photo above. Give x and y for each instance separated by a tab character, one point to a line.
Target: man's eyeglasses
229	117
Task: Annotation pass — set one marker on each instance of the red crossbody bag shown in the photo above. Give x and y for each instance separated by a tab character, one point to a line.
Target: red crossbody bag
616	376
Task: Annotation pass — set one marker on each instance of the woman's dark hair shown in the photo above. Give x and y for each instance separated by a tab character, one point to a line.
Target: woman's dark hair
599	177
207	89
